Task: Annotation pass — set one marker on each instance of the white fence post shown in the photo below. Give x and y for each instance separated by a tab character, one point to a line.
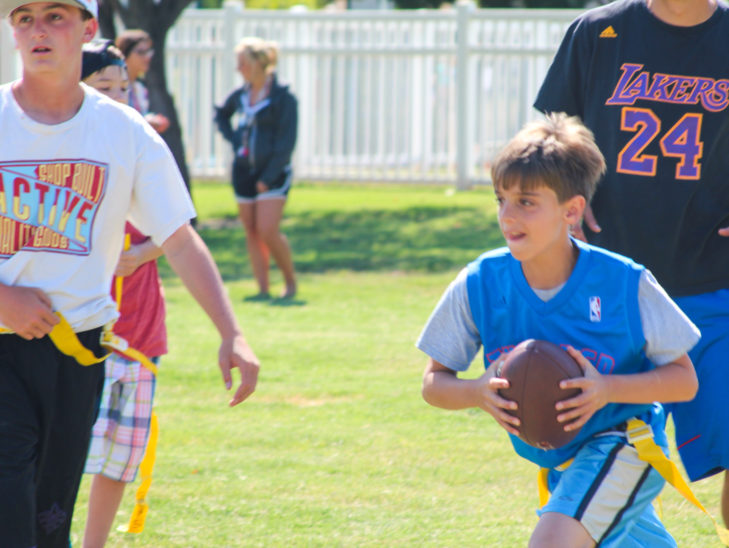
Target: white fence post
8	57
463	136
232	12
402	96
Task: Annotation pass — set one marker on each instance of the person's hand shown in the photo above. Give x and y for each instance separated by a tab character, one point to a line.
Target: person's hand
490	401
129	261
724	232
261	187
594	396
159	122
27	311
235	353
590	221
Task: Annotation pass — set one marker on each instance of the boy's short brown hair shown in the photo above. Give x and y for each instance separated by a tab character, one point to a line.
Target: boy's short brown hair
559	152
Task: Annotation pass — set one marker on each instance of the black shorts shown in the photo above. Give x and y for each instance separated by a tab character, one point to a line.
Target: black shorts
244	183
48	404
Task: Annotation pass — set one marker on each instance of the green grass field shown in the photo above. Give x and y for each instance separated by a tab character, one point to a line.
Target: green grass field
336	447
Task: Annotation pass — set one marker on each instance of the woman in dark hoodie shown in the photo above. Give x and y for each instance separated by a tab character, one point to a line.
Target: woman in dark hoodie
263	143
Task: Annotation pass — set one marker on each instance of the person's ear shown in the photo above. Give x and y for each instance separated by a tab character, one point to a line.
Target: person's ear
90	28
573	208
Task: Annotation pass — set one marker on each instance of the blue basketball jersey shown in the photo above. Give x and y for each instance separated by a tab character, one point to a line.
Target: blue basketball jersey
596	312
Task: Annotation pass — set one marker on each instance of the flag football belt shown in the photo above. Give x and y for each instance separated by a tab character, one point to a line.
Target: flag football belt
66	341
640	435
139	513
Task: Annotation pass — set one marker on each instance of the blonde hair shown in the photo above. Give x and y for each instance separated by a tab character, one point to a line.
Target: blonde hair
559	152
263	51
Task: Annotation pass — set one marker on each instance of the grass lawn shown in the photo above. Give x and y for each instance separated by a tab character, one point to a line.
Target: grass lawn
336	447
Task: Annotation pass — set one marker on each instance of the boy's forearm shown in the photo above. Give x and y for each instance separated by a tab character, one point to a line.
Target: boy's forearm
190	258
447	391
672	382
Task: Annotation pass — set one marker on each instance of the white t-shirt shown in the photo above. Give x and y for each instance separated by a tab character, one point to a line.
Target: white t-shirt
65	193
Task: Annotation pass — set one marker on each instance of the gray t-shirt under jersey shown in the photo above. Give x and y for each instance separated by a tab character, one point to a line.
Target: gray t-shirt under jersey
451	337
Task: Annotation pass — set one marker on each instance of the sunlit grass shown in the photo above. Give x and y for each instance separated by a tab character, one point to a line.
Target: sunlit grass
336	447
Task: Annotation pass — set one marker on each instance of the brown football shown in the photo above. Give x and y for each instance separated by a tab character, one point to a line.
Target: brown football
534	369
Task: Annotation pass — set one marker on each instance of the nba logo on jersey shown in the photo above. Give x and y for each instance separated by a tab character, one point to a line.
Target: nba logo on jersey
595	309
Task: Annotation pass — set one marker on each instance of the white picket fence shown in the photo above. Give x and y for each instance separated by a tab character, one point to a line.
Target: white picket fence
406	96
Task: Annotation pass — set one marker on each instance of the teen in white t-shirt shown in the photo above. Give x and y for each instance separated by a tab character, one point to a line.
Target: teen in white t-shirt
73	166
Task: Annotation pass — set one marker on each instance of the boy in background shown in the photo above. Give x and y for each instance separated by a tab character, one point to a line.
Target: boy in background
546	285
120	434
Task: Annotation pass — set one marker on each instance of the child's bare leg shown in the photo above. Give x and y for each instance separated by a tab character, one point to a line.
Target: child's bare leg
104	499
556	530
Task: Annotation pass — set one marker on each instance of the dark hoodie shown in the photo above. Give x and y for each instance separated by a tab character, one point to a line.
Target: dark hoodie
267	131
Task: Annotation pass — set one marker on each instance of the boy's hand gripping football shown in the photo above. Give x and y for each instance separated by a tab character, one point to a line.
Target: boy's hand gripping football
490	401
594	396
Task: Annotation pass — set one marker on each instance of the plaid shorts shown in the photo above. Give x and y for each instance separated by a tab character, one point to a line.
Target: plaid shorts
119	437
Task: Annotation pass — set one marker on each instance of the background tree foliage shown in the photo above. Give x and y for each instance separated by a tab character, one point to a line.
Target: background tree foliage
157	18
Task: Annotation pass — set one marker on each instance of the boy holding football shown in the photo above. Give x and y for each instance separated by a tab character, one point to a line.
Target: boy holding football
122	430
609	313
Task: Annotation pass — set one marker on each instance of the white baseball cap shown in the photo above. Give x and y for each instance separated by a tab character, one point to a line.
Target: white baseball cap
9	6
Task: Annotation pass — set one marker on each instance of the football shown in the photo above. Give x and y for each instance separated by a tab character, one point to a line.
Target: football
534	369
